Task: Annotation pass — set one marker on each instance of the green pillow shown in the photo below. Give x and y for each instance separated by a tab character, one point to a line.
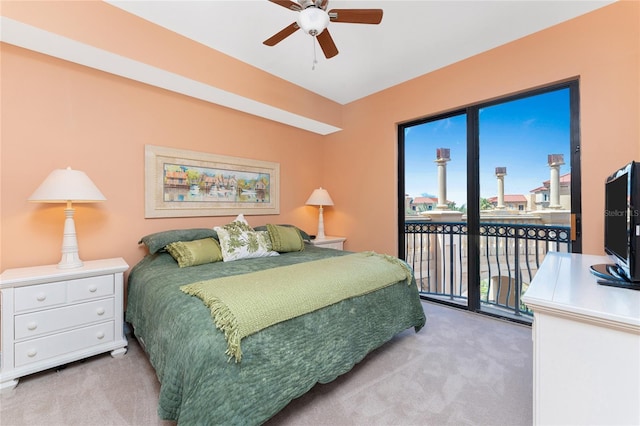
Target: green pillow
197	252
285	238
156	242
303	234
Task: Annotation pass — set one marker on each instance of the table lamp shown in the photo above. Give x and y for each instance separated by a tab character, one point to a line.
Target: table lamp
68	186
320	197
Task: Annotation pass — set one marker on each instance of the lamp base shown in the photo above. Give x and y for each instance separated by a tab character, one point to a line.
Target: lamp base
320	224
70	261
70	258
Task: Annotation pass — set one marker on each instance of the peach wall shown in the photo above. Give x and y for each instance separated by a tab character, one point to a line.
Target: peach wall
57	114
601	48
93	22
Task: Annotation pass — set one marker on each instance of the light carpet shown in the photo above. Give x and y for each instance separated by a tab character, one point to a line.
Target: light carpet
460	369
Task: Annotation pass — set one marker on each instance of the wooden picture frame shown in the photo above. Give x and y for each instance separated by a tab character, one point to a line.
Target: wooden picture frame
181	183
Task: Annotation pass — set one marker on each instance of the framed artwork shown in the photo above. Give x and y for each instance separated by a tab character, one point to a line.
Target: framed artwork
180	183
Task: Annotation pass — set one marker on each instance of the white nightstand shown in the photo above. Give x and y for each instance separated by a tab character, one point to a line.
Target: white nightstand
329	242
54	316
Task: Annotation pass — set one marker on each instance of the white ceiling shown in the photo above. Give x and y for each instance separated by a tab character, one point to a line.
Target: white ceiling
414	38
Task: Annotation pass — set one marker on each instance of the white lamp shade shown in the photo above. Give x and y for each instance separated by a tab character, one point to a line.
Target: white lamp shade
63	185
320	197
313	20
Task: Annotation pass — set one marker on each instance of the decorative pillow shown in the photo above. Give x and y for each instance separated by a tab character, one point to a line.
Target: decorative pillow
239	241
240	220
197	252
303	234
285	238
156	242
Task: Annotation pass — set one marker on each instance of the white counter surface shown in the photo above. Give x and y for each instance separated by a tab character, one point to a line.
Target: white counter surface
570	288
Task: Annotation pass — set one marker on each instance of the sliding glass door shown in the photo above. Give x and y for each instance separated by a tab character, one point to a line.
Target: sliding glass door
434	234
488	191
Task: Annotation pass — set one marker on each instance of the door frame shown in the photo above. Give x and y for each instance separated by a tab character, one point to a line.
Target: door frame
473	179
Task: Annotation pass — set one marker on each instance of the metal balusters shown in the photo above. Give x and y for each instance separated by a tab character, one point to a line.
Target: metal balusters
437	252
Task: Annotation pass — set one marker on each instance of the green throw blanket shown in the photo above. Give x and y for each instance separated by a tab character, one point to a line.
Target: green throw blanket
244	304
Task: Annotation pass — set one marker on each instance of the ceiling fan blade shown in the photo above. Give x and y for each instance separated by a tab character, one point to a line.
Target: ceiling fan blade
326	43
356	16
322	4
288	4
281	35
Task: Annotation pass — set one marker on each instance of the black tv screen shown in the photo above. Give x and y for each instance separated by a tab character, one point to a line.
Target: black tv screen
622	229
616	222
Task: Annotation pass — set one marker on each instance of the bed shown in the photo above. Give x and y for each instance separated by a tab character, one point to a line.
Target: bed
203	381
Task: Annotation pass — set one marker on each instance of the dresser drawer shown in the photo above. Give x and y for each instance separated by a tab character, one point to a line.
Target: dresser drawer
89	288
40	296
43	322
36	350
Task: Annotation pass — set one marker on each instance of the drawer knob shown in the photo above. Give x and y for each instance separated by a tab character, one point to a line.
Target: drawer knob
100	335
41	297
100	311
31	353
93	288
32	325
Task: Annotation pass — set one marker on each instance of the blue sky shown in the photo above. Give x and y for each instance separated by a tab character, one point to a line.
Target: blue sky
517	135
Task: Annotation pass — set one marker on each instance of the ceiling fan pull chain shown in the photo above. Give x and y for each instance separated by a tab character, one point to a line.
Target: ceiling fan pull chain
315	59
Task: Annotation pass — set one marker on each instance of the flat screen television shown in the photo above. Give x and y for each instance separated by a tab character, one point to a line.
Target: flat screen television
621	229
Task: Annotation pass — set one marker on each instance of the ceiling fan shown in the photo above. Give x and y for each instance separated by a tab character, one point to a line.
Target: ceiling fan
313	18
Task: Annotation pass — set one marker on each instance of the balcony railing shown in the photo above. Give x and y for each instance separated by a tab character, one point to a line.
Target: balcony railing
510	255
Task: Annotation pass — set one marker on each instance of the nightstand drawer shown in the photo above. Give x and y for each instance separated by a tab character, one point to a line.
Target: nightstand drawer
336	246
43	322
59	344
40	296
336	243
89	288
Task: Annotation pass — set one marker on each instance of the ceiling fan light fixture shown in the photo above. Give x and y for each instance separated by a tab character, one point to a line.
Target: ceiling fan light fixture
313	20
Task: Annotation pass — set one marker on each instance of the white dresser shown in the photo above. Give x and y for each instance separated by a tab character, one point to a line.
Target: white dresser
54	316
586	345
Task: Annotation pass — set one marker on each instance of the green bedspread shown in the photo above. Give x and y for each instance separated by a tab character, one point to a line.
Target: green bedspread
245	304
280	362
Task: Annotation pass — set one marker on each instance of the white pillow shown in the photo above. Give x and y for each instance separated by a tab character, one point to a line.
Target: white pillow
239	241
240	218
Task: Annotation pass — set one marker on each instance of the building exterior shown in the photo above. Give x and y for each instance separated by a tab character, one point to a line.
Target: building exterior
511	202
539	197
422	204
